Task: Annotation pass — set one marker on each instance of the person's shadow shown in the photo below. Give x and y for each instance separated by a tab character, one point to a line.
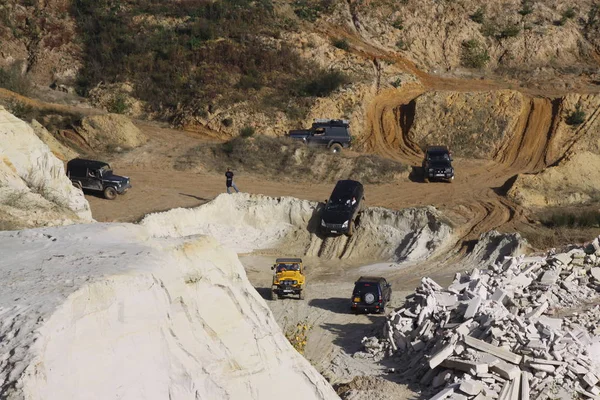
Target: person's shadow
202	199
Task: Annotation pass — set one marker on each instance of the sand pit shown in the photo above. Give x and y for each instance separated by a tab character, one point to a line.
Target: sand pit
245	223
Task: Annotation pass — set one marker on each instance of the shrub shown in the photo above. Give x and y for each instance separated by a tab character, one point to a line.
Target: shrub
526	8
398	23
322	85
577	117
569	13
583	219
401	44
298	335
509	31
310	10
227	122
341	43
247	131
118	104
228	147
474	55
397	83
478	16
13	80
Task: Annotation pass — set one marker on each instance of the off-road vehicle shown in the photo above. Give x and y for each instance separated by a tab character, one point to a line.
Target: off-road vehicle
333	134
371	293
343	208
97	176
437	164
289	278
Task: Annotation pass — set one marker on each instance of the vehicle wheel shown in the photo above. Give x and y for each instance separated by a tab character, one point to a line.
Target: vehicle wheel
110	193
77	185
369	298
350	229
335	148
274	295
302	294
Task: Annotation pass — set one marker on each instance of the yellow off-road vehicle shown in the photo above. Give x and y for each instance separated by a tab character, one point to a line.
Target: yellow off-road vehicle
289	278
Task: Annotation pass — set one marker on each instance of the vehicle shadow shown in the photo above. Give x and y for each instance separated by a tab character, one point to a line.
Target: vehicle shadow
339	305
348	336
265	292
417	174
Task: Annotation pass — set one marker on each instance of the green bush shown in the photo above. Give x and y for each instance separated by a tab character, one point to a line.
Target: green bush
474	55
118	104
247	131
227	122
310	10
577	117
478	16
398	23
341	43
489	29
323	84
401	44
584	219
509	31
569	13
526	8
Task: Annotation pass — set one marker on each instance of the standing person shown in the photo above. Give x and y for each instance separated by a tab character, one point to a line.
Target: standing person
229	181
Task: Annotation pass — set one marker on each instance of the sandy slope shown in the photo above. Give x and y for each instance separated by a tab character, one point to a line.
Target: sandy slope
103	311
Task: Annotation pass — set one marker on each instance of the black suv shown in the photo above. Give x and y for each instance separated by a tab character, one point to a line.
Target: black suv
371	293
96	175
438	164
343	207
330	133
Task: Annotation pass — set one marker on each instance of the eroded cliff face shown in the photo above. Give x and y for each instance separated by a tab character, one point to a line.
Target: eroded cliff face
101	311
34	189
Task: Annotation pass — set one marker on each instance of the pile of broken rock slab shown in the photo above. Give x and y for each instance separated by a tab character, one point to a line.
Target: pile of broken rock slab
526	327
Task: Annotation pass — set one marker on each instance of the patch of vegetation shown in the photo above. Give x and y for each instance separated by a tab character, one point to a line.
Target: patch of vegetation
397	83
401	45
15	198
572	219
247	131
341	43
179	69
310	10
118	104
298	335
569	13
321	84
12	79
398	23
478	16
526	7
227	122
284	158
576	117
509	31
489	29
474	54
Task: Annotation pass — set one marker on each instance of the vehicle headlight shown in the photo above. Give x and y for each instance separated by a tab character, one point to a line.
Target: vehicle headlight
323	222
295	282
345	224
431	170
448	170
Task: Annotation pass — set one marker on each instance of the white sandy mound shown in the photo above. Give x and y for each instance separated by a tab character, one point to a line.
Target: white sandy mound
104	311
246	222
573	181
34	189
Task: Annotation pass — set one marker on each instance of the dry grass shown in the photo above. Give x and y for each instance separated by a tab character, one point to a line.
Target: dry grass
283	158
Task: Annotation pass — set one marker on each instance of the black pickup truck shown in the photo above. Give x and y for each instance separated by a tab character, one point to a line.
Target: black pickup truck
333	134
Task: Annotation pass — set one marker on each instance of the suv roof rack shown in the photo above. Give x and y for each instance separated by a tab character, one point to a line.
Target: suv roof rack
331	121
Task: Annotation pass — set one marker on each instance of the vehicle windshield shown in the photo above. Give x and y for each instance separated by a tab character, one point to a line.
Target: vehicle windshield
339	204
106	170
282	267
438	156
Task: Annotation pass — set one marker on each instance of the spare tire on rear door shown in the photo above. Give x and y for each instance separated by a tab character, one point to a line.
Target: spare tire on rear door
369	298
